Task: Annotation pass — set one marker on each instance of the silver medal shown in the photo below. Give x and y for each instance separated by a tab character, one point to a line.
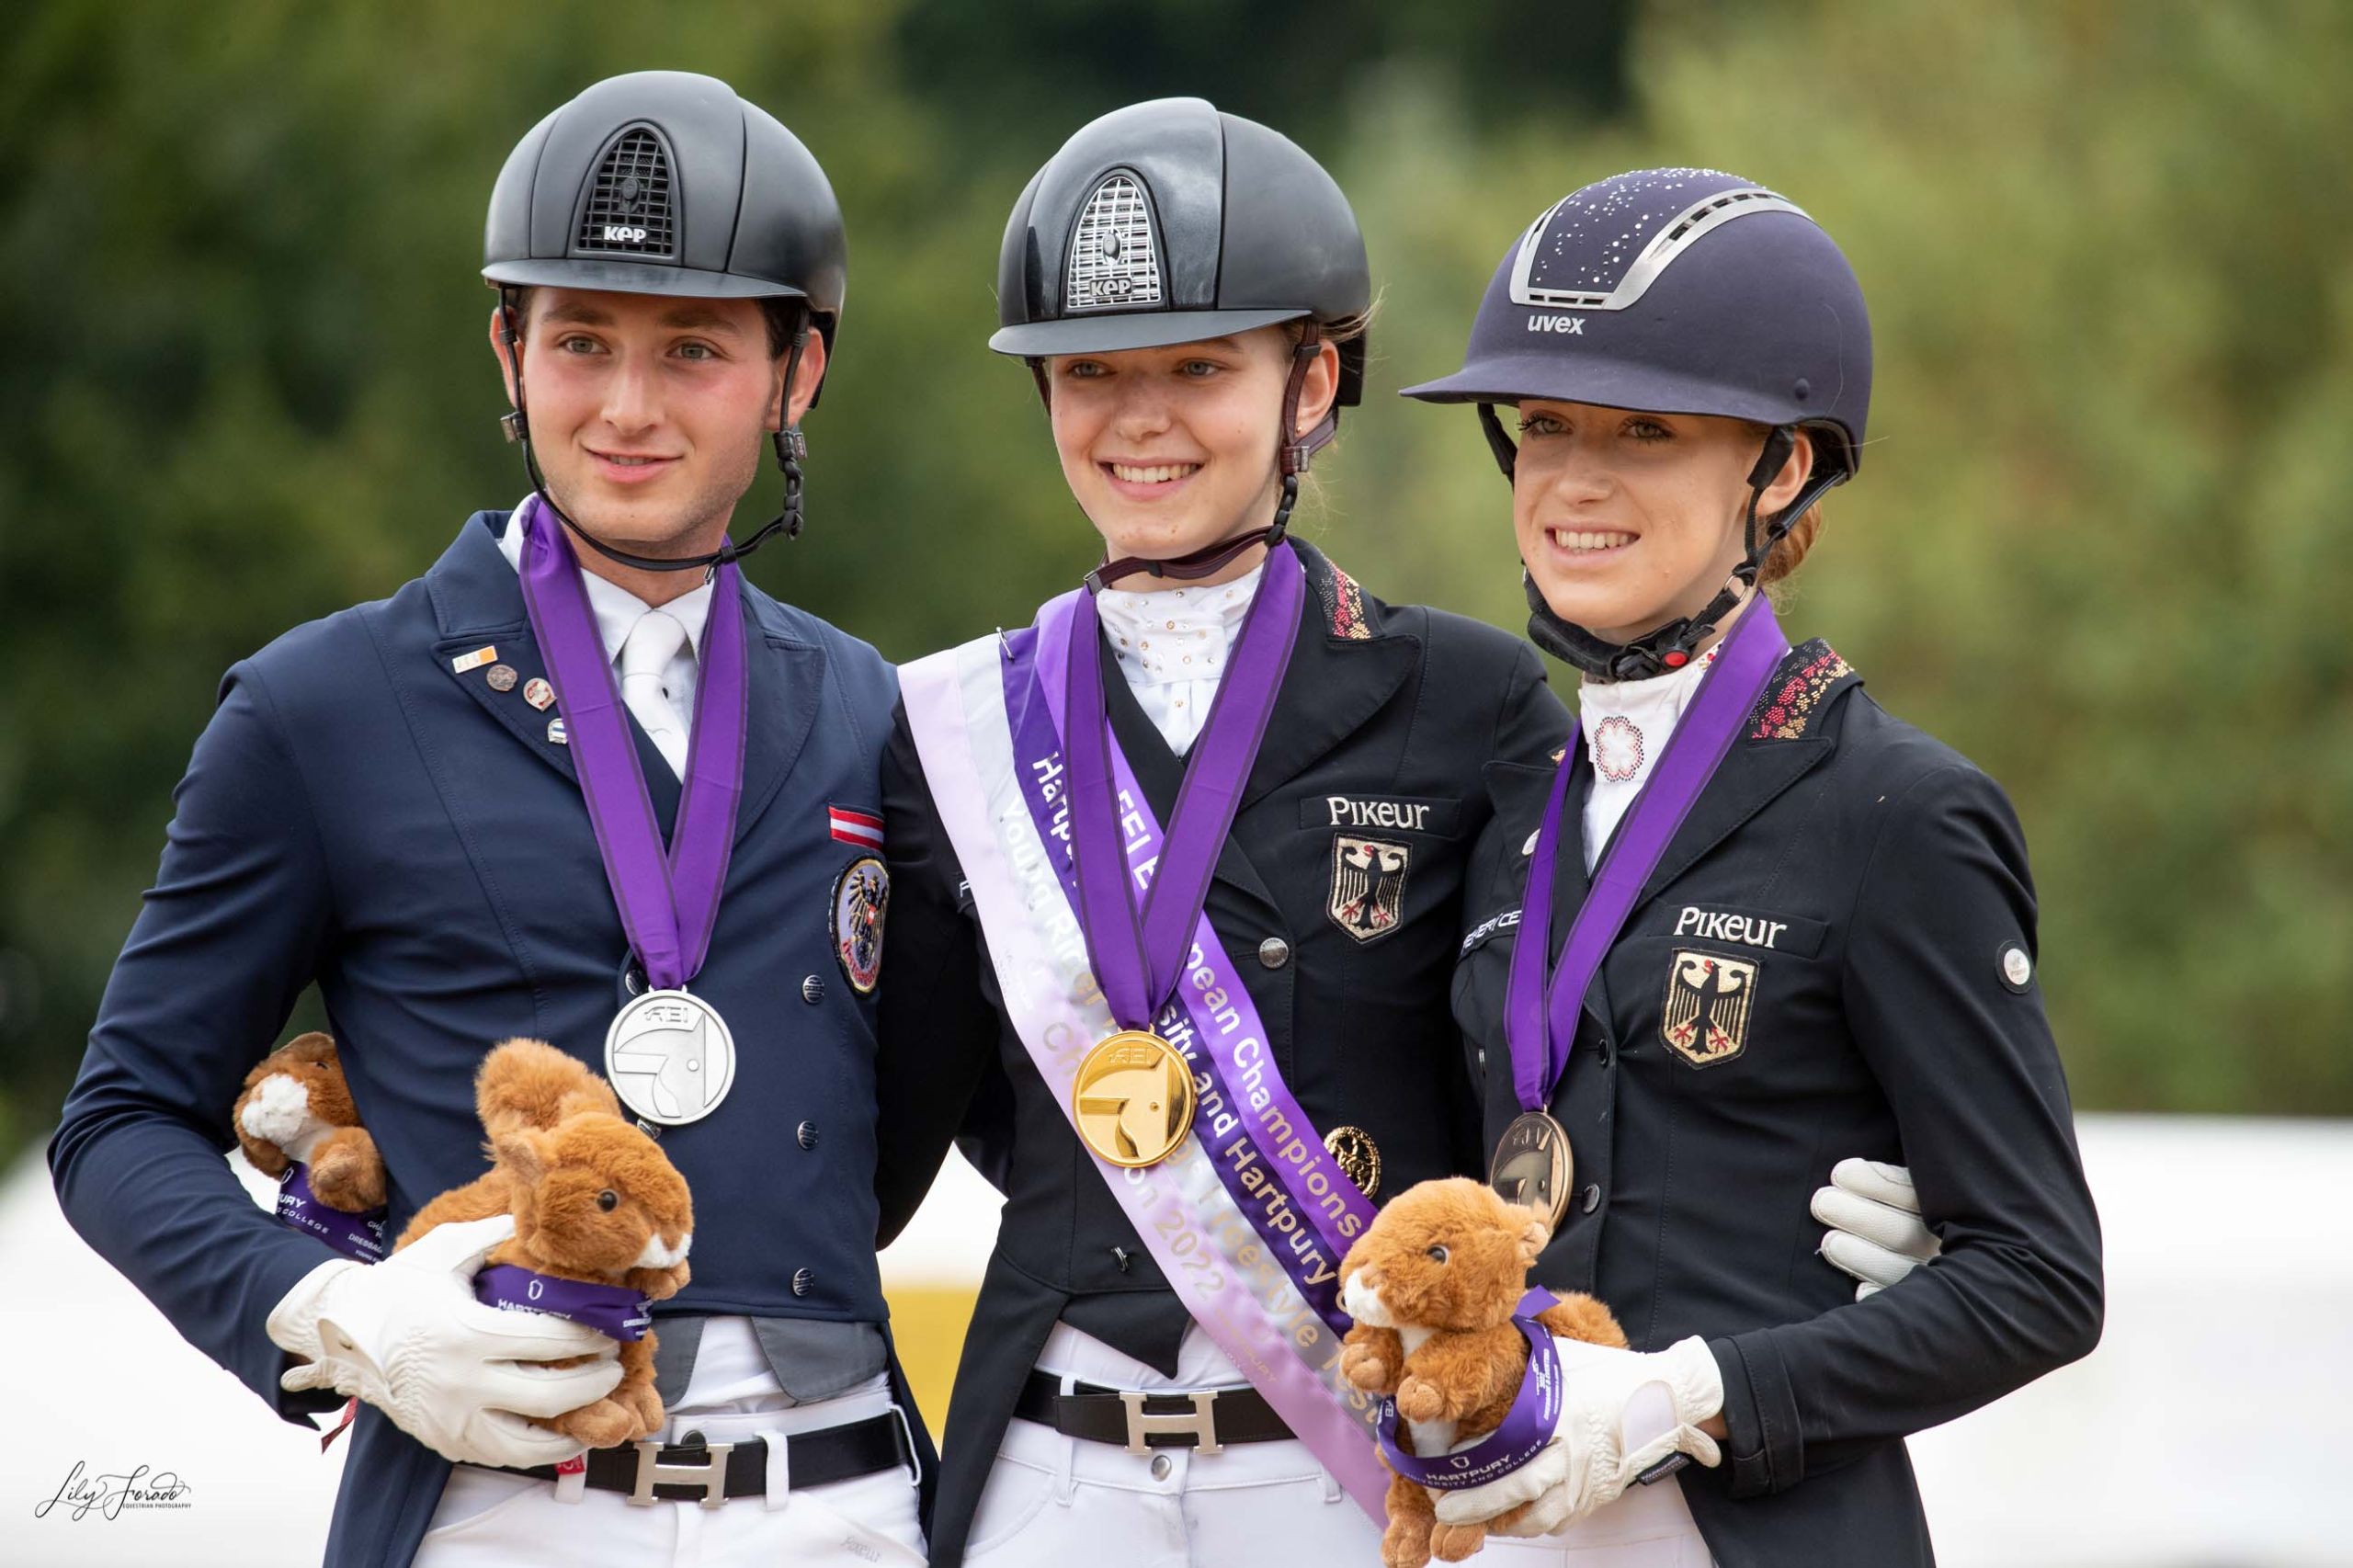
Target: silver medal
670	1057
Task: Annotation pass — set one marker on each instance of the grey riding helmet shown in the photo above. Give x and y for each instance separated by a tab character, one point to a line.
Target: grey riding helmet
1167	223
664	182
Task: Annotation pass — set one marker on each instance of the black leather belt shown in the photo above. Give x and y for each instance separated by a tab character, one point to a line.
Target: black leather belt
691	1470
1206	1421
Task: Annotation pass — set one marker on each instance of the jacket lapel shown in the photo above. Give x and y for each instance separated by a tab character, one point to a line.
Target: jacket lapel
1343	666
478	601
786	679
1570	879
1784	738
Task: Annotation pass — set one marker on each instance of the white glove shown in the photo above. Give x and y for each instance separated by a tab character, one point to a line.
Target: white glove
1621	1411
1876	1232
407	1336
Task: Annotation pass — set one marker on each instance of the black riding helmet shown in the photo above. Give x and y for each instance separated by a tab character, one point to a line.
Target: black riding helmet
1675	291
662	182
1167	223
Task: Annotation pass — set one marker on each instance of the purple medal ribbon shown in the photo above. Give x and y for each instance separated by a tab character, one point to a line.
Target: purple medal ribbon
1266	1153
354	1235
614	1311
1540	1034
1526	1426
669	901
1137	962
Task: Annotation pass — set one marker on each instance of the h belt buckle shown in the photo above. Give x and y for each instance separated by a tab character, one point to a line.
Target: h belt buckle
711	1475
1201	1424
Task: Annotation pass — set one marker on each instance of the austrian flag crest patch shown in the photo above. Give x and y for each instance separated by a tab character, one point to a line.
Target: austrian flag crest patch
861	901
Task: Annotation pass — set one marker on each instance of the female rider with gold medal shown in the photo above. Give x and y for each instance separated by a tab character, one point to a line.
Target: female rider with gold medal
1772	924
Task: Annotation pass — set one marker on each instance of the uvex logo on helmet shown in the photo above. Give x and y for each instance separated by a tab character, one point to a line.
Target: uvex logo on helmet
1573	325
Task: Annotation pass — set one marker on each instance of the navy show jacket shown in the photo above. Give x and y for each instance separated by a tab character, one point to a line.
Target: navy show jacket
362	813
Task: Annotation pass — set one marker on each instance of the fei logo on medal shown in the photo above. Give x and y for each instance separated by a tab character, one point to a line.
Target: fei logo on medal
1708	999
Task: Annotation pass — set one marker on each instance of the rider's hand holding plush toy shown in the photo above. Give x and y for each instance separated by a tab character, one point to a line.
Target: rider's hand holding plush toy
1434	1285
602	1220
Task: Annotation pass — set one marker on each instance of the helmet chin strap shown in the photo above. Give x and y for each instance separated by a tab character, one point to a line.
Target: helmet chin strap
1296	451
1672	646
791	445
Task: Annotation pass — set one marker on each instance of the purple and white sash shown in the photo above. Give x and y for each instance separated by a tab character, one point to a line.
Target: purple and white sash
1249	1218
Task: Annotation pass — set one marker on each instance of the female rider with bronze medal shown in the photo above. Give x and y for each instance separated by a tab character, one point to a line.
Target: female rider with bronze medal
1774	924
1178	875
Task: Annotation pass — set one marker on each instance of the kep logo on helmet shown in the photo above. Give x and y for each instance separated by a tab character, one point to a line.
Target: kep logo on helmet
1114	263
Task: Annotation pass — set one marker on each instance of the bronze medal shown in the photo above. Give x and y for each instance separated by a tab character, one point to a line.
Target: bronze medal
1133	1098
1534	1166
1357	1153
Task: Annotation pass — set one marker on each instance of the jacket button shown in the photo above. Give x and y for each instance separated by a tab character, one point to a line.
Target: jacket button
1274	952
1592	1199
813	990
1604	1050
801	1280
807	1135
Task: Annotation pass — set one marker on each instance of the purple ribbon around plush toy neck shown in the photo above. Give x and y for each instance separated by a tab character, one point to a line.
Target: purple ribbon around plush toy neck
1526	1426
354	1235
614	1311
1540	1022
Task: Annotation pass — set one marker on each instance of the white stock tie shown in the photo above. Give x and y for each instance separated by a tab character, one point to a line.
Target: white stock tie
652	643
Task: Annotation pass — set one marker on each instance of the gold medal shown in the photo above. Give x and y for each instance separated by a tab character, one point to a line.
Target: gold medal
1357	1153
1133	1097
1534	1166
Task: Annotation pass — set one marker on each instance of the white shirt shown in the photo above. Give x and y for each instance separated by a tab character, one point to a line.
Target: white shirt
617	610
1625	724
1173	644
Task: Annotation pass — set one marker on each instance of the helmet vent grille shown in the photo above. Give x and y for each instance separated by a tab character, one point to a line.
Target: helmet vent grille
628	209
1114	255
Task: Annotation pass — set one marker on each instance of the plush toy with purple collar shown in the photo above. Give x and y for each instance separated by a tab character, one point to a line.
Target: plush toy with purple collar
602	1220
296	1122
1449	1333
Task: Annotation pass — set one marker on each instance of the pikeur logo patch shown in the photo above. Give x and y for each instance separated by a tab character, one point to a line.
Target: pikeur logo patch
1720	925
1396	814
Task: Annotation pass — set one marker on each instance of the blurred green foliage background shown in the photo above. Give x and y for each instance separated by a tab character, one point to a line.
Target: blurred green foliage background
2100	540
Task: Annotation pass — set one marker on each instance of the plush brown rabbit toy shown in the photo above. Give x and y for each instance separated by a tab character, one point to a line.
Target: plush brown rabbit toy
1446	1326
296	1122
602	1220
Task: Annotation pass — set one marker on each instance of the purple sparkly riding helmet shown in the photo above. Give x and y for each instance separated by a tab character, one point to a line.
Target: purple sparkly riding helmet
1679	292
1676	291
